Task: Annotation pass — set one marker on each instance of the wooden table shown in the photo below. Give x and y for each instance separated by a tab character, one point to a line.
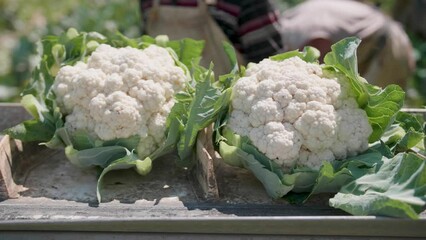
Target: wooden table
43	196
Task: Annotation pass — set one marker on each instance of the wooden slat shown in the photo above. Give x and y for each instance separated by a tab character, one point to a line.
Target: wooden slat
11	114
8	188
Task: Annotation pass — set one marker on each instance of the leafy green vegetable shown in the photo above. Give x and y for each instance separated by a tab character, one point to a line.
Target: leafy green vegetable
100	156
188	50
397	189
211	99
343	58
31	130
374	182
126	162
273	184
309	54
41	128
380	105
191	112
207	103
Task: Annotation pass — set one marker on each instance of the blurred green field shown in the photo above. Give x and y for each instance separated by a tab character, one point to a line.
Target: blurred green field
24	22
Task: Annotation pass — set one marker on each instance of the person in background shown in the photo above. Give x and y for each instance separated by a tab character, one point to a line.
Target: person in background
412	15
251	25
385	54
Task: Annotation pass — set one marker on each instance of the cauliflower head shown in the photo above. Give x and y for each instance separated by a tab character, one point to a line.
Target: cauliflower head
297	114
119	93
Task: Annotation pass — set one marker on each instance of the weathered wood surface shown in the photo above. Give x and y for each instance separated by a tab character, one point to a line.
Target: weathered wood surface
43	191
11	114
38	175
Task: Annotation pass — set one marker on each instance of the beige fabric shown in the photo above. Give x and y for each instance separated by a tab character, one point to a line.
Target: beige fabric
191	22
329	19
394	63
385	55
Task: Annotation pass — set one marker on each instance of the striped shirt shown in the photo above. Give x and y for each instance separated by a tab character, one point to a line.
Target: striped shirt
251	25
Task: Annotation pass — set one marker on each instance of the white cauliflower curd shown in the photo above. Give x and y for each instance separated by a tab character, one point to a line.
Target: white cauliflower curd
297	114
120	92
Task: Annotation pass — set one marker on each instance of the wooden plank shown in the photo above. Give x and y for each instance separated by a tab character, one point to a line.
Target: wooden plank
197	222
204	169
12	114
42	235
8	187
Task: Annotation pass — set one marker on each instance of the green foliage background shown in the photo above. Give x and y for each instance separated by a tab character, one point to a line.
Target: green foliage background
24	22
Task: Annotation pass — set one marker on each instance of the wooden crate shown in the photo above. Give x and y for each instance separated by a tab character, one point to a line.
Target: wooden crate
41	192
